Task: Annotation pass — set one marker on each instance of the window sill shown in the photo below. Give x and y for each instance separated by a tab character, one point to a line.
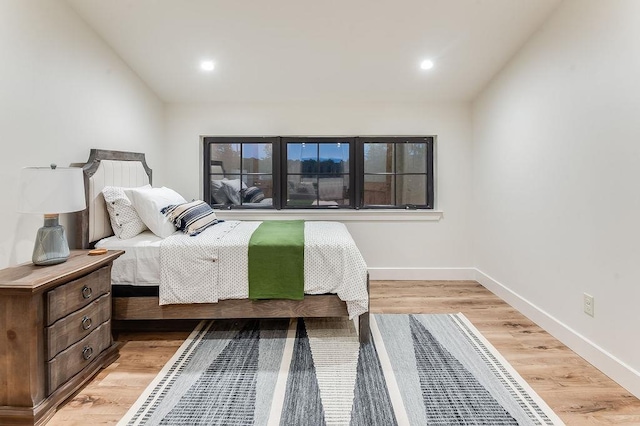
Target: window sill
364	215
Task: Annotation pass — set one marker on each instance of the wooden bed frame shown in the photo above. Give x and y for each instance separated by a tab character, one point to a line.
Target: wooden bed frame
148	308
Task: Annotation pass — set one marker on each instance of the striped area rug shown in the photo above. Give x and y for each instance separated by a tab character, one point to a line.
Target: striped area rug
419	370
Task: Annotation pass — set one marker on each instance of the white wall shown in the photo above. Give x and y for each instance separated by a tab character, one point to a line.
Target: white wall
415	247
556	170
62	92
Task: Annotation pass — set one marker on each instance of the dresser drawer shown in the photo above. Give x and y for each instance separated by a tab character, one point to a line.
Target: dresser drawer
77	294
72	360
68	330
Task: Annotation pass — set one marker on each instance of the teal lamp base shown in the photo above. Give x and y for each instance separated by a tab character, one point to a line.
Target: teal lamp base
51	245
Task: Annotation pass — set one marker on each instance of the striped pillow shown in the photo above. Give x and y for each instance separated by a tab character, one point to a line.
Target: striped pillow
191	218
253	194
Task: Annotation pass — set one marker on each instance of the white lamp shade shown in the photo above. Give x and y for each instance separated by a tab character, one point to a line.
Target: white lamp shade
46	190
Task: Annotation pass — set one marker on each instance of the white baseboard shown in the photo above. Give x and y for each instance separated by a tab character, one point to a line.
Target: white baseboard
617	370
431	274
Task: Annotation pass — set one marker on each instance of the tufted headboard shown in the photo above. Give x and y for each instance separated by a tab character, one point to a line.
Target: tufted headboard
107	168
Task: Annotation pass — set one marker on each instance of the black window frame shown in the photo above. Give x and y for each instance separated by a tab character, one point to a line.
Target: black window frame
397	140
275	167
279	170
284	173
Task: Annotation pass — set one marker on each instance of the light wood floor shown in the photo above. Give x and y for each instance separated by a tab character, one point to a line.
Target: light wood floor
579	393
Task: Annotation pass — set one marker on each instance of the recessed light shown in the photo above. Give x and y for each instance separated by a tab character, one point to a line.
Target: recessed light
207	65
426	64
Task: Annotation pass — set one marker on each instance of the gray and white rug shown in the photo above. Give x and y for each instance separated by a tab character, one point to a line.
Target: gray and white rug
420	370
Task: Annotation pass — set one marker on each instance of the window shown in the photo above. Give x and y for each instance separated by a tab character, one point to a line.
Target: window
397	172
240	172
319	172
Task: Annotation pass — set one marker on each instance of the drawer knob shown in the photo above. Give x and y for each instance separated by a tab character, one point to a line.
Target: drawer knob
87	351
86	292
86	323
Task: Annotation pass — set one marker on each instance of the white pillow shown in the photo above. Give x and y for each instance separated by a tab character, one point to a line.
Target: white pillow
149	202
232	188
217	191
125	221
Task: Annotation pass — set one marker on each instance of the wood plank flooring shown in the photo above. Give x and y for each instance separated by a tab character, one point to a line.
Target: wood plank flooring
579	393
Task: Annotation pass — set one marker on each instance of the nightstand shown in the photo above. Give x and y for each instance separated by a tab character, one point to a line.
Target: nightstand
55	333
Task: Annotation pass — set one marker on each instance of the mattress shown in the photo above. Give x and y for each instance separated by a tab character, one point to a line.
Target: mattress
140	264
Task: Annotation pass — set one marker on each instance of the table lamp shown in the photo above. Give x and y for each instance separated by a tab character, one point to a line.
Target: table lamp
51	191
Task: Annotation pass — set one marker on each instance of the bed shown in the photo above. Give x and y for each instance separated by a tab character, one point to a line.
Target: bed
136	294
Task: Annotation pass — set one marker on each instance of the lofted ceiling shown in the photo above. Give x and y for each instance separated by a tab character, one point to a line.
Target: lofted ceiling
315	51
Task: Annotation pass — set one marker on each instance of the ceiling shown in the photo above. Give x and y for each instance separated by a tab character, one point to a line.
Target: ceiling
315	51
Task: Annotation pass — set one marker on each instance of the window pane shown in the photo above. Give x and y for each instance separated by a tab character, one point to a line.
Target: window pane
412	158
302	158
228	154
333	190
412	189
232	188
259	191
301	190
264	182
378	157
257	157
334	158
379	190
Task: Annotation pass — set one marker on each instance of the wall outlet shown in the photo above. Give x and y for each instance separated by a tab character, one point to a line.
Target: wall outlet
588	304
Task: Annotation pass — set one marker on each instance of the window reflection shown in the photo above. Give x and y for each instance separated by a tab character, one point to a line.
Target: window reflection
319	171
395	173
318	174
241	174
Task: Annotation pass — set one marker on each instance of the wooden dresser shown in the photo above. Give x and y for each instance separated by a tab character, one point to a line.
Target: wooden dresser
55	333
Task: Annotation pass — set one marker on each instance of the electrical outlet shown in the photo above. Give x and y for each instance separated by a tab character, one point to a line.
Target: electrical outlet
588	304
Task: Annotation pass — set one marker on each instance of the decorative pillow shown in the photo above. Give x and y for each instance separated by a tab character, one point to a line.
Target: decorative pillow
232	188
253	194
217	191
149	201
125	221
191	218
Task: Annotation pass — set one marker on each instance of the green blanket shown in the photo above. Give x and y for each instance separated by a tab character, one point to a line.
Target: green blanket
276	260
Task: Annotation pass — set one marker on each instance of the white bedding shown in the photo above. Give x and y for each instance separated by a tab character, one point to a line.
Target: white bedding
140	264
213	266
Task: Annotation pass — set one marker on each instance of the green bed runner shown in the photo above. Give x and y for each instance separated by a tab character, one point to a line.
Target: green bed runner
276	260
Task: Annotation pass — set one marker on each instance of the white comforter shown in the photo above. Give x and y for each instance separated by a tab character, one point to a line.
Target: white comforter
213	265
